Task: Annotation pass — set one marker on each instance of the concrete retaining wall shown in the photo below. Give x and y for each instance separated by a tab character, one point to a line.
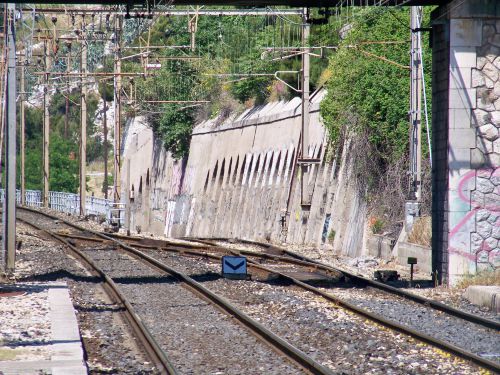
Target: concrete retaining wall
380	246
422	253
239	180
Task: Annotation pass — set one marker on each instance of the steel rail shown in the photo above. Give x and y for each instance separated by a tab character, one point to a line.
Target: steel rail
443	345
147	340
290	351
300	259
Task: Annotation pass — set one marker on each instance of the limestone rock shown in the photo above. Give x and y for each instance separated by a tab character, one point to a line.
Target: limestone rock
477	78
476	242
477	199
496	88
486	146
482	256
496	62
492	202
492	219
493	160
482	117
495	257
480	63
482	215
495	118
490	52
490	71
495	233
497	104
484	267
484	173
495	179
489	131
486	99
477	159
484	229
491	243
484	186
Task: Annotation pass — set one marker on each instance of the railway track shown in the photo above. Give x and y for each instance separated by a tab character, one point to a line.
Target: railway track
113	259
278	262
273	260
429	312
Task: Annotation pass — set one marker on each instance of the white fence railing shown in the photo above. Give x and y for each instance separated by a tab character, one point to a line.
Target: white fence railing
70	203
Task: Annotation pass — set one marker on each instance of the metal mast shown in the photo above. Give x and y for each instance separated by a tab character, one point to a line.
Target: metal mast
83	129
46	126
9	209
117	107
304	194
412	207
415	106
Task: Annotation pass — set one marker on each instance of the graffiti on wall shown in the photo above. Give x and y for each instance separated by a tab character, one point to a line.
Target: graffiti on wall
475	235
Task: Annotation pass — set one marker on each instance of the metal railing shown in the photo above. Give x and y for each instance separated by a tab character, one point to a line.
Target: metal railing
69	203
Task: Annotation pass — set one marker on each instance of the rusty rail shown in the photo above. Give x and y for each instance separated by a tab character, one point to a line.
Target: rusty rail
260	331
153	350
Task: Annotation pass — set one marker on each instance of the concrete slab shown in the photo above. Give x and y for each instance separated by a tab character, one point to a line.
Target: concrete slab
311	277
487	296
65	345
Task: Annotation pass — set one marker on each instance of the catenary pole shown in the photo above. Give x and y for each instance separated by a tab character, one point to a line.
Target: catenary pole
415	107
83	130
304	195
117	108
46	126
9	209
22	145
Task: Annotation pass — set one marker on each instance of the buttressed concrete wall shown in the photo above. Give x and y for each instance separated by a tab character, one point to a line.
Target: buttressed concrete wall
240	178
466	144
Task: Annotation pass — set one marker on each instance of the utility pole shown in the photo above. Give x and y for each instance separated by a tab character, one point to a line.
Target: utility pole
117	99
83	129
303	161
68	69
9	208
22	98
193	27
412	207
46	127
105	143
416	106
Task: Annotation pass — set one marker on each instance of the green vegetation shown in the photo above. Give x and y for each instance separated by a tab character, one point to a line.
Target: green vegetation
369	94
367	102
231	69
331	236
64	143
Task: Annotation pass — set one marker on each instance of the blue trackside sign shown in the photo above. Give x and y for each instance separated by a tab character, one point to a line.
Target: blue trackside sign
234	267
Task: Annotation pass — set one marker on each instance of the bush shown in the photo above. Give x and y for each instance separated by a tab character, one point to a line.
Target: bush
376	225
331	236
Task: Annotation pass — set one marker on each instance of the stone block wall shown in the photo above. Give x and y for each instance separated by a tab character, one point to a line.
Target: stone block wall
466	203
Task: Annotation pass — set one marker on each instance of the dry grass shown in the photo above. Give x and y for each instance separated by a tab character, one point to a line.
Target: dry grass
482	278
8	354
421	232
